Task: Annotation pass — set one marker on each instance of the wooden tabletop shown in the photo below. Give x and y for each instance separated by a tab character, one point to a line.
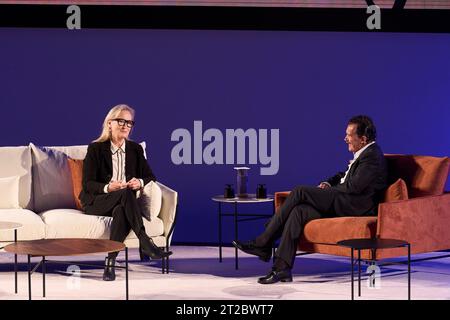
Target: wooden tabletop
64	247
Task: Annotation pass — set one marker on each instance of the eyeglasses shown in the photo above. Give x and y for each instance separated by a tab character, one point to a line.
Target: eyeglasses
122	122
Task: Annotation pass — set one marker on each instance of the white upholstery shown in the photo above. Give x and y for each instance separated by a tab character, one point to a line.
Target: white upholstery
71	223
16	161
150	200
9	191
51	191
33	226
168	209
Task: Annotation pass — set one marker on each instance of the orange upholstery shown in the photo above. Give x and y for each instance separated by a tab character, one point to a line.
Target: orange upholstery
332	230
422	221
396	191
76	170
424	175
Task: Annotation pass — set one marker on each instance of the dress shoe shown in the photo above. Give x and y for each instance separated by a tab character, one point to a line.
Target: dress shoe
275	276
250	247
109	274
149	248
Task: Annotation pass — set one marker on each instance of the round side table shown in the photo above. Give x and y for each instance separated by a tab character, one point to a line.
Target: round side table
374	244
245	217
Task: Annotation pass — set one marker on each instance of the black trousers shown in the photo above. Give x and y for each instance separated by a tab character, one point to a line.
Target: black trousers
122	206
304	203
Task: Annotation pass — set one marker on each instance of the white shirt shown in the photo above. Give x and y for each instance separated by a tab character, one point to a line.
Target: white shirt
355	156
118	165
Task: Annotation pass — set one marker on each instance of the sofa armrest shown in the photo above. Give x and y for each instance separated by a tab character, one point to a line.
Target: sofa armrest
423	222
280	197
168	210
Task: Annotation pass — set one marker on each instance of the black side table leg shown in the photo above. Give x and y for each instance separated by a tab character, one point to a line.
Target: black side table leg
15	262
43	276
220	232
236	234
126	272
359	273
29	277
353	296
409	271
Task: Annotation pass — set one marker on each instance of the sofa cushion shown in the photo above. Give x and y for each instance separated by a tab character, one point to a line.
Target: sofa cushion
76	173
52	181
332	230
396	191
9	192
71	223
16	161
150	200
33	226
424	175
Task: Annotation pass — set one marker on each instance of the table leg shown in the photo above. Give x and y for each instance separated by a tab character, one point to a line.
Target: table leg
43	276
235	234
126	272
29	277
359	273
220	232
353	297
15	262
409	271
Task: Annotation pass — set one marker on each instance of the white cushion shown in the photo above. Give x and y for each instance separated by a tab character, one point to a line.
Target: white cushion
71	223
52	180
9	193
150	200
33	226
16	161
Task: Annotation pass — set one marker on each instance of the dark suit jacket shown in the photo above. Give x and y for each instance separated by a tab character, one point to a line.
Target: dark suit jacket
364	185
97	168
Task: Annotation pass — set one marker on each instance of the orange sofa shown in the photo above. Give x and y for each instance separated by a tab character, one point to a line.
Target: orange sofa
423	219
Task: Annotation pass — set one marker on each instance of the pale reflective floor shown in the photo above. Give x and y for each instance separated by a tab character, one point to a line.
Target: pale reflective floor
197	274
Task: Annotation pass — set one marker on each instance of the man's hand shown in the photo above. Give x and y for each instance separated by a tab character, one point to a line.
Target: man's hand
323	185
134	184
116	185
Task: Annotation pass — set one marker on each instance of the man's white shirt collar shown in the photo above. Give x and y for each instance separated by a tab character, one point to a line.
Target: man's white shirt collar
358	153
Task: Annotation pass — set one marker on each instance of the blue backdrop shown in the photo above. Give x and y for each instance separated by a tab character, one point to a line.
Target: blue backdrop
57	85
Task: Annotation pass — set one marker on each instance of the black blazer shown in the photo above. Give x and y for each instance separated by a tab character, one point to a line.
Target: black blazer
364	186
97	168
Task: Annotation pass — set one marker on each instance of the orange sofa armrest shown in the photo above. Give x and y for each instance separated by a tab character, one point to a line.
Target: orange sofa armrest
423	222
280	196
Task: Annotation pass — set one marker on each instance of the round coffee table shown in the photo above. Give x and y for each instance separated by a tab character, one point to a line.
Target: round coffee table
7	226
374	244
65	247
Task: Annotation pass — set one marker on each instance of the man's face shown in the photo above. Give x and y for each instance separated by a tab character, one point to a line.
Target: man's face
354	142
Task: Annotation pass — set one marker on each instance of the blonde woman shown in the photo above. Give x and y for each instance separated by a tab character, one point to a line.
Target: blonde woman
114	169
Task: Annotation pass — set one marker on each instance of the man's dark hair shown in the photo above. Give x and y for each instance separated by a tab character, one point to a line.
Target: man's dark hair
365	127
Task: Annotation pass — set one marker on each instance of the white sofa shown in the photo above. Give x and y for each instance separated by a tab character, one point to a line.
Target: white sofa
47	207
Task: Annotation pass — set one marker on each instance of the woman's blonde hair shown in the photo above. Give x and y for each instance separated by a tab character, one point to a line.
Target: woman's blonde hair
112	114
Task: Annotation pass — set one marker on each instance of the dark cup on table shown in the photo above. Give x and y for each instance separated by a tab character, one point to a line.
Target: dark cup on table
261	191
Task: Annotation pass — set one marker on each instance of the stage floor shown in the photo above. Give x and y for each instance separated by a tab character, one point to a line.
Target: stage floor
196	274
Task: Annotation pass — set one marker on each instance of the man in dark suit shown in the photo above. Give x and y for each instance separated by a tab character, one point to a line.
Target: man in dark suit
355	192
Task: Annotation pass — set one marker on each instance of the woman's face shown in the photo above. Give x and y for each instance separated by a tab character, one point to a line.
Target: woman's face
121	125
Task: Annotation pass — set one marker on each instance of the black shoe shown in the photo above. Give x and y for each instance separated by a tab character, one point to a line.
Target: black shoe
149	248
275	276
109	274
263	253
